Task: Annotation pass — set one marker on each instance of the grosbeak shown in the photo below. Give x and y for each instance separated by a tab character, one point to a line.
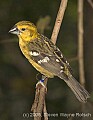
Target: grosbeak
46	57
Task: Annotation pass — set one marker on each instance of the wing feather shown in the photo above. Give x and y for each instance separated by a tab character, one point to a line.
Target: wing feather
49	57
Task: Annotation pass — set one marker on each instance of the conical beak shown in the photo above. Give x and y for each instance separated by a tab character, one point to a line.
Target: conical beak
14	30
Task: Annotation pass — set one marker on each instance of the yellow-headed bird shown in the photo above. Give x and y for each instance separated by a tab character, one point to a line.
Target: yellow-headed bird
46	57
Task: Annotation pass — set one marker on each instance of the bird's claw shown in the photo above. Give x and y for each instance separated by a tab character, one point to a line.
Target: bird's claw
41	84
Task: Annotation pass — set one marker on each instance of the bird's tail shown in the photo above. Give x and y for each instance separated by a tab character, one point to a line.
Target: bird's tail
77	89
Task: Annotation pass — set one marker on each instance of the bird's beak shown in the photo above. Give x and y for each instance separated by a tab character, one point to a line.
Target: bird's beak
14	30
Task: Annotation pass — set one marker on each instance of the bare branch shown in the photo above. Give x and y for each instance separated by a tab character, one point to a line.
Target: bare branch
45	112
90	2
59	20
80	42
39	102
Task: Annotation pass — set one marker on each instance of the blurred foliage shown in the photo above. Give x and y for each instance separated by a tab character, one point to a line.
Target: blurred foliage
18	77
43	24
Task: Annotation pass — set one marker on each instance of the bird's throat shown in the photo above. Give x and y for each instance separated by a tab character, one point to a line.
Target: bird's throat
28	38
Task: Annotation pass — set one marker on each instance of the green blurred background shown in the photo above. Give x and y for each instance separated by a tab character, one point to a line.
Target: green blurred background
18	77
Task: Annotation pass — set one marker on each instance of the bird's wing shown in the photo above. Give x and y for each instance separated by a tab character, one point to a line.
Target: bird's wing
50	58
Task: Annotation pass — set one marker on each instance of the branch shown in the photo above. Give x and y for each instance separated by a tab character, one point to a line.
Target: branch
90	2
39	105
45	112
80	42
59	19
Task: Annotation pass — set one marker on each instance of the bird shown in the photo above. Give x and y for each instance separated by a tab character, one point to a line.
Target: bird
46	57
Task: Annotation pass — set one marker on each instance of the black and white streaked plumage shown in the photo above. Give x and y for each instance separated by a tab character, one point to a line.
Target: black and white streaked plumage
46	57
49	57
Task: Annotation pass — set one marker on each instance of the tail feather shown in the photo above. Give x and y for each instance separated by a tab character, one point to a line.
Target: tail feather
77	89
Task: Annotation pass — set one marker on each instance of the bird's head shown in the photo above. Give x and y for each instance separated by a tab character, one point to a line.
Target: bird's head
25	30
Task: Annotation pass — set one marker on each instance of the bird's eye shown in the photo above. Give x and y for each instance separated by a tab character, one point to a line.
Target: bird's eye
23	29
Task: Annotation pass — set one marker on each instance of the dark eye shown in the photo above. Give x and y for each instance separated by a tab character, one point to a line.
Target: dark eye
23	29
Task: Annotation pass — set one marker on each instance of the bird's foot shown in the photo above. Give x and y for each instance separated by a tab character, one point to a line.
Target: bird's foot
41	84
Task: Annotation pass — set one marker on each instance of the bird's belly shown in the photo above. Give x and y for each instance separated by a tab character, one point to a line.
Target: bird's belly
41	70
